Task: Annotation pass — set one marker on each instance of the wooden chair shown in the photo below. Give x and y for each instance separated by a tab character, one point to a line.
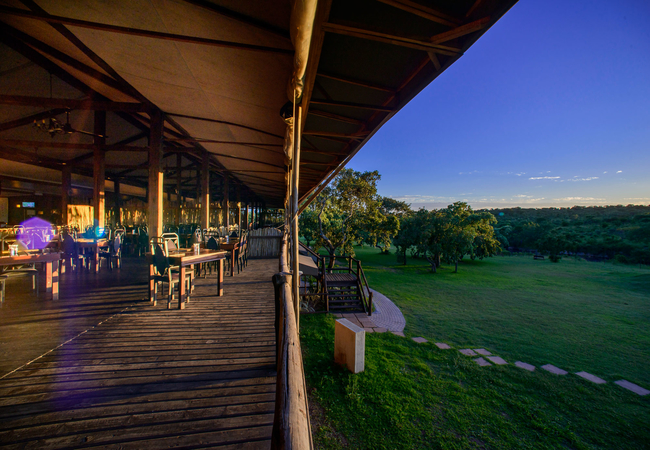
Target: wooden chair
163	272
3	280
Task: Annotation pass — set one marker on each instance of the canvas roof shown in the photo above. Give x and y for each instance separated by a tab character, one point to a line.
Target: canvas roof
219	71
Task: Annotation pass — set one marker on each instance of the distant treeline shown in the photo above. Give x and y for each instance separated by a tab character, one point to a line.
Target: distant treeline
608	232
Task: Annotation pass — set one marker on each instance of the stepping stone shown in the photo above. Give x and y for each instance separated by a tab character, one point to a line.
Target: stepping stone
590	377
482	351
369	330
442	346
468	352
632	387
497	360
381	330
526	366
556	370
420	340
398	333
481	362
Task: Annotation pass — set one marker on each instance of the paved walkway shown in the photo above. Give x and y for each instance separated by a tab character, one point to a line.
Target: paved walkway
386	317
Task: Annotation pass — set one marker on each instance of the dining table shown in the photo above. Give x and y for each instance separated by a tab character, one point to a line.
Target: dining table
231	245
51	261
184	258
93	245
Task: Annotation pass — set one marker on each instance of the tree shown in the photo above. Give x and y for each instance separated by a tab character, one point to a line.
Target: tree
410	233
308	225
343	208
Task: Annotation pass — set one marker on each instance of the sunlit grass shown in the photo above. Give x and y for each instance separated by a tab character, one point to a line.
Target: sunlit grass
575	315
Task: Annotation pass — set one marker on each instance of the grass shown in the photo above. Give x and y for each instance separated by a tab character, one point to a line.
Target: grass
575	315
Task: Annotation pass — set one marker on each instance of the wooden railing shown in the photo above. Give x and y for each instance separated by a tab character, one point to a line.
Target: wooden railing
366	293
291	426
364	289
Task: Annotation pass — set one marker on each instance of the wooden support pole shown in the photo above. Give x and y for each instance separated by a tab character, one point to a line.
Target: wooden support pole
295	195
239	207
117	211
205	191
226	203
155	191
66	187
246	218
179	173
99	169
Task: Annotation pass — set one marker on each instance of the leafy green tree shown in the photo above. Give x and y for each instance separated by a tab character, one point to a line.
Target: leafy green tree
343	208
410	233
308	225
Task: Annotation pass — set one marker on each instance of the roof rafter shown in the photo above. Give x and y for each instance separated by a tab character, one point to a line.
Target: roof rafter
423	11
390	39
140	32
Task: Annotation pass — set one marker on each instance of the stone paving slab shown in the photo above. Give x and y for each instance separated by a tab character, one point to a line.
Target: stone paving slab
632	387
380	330
526	366
590	377
556	370
442	346
497	360
468	352
420	340
481	362
369	330
398	333
482	351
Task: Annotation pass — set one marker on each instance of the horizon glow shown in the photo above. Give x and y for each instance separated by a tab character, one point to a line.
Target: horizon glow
550	108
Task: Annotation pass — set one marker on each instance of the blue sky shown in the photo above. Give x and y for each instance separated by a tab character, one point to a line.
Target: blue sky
551	107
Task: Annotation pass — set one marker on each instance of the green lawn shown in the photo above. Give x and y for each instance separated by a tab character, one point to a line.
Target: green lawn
574	314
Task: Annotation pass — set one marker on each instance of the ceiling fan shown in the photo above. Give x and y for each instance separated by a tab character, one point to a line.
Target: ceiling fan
54	126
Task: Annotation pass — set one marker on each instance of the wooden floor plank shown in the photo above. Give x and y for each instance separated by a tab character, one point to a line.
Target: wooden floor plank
143	376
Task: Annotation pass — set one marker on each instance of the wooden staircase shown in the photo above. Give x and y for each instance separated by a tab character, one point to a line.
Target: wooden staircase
344	292
343	286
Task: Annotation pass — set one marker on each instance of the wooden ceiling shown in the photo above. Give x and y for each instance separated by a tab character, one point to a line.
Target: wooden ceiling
219	71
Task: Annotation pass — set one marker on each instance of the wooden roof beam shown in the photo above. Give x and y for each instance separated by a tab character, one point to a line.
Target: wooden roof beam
390	39
460	31
356	136
246	20
338	117
140	32
356	82
351	105
423	11
224	122
68	103
30	119
70	145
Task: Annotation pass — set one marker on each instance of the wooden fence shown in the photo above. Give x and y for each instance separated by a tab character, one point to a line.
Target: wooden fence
264	243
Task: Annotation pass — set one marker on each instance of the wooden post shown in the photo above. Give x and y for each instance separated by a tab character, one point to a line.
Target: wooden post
226	203
246	214
295	195
99	169
239	207
177	218
117	211
155	191
66	187
205	191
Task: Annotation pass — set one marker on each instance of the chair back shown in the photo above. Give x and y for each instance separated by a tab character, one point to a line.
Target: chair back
117	243
212	244
160	260
69	245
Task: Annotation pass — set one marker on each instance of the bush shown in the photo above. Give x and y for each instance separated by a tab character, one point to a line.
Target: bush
554	258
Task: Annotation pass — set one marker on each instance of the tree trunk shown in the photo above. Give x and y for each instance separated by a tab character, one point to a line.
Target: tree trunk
456	267
332	260
437	259
405	256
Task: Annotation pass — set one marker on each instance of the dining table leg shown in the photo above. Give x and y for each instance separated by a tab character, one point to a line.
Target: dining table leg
181	288
96	259
151	285
52	279
220	269
232	262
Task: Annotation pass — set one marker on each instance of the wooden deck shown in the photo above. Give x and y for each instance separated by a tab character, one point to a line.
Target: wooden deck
146	377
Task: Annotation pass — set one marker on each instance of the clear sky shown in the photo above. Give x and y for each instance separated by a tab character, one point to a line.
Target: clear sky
551	107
